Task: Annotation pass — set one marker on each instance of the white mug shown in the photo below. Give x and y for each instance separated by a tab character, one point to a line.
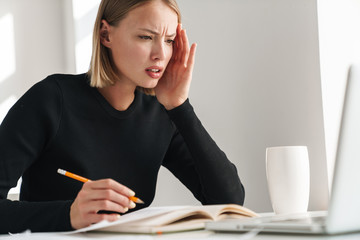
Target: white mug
288	177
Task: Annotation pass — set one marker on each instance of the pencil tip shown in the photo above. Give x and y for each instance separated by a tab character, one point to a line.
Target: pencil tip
139	201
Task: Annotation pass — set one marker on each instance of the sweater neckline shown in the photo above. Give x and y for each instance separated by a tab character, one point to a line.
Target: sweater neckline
110	109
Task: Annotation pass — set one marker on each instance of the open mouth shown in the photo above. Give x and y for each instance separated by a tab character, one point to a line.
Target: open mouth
153	70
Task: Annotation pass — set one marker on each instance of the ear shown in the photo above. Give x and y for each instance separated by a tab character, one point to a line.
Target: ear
105	33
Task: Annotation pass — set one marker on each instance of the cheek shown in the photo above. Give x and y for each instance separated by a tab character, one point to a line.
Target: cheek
140	51
169	53
130	54
137	53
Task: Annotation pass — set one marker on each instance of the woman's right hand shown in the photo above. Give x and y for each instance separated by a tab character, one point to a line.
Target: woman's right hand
100	195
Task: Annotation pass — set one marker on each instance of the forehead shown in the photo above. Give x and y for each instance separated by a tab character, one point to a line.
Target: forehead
155	14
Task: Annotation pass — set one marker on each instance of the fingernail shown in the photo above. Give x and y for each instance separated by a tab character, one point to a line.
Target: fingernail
132	204
131	193
125	210
118	216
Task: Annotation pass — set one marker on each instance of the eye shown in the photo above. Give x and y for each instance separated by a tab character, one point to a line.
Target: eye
170	41
145	37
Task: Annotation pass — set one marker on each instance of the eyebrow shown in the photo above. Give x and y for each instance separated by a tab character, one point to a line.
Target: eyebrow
155	33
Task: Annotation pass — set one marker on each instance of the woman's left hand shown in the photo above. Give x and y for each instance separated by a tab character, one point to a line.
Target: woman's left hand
172	89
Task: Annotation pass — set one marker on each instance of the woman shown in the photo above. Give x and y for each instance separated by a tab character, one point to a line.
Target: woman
115	125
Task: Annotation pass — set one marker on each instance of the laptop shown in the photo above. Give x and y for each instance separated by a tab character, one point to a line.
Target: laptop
343	213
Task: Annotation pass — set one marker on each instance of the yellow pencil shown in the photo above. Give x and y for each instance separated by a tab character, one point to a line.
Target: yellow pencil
82	179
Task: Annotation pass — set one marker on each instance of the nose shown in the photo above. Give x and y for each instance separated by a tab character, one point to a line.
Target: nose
158	51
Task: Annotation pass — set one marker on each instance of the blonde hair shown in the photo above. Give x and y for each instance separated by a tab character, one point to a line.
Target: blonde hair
102	71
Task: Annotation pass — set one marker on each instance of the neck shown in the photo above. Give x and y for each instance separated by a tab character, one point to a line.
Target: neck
120	97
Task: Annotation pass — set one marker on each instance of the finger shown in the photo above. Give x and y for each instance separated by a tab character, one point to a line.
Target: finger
111	184
191	60
175	44
109	194
105	205
179	43
90	207
106	189
186	48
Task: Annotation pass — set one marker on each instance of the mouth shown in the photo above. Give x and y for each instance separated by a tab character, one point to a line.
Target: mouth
154	71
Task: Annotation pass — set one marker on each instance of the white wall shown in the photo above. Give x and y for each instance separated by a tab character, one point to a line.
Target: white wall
31	46
256	80
339	46
37	32
257	84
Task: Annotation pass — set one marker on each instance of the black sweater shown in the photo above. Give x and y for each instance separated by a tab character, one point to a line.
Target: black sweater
62	122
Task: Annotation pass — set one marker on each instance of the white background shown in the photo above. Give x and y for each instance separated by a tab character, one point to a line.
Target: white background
257	80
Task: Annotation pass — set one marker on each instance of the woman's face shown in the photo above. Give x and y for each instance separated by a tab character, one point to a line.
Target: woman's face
142	43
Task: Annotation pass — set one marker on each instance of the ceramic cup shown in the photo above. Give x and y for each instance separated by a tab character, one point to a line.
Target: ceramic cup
288	177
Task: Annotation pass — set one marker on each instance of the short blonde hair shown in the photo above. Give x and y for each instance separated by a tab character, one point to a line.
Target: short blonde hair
102	71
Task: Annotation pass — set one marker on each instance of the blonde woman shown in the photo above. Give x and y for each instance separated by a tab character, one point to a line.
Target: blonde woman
116	125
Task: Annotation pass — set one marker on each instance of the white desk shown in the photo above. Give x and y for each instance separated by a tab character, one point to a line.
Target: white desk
206	235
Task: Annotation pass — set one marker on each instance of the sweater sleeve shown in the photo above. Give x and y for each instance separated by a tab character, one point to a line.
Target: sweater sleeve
25	133
196	160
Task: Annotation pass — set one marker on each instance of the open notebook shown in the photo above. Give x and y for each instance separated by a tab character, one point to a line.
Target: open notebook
170	219
344	209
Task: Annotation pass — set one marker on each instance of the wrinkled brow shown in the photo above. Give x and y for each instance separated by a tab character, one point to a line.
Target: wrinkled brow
155	33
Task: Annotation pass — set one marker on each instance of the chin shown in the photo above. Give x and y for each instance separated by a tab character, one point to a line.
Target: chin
151	84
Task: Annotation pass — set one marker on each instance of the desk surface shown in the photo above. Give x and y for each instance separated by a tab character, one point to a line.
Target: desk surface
206	235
